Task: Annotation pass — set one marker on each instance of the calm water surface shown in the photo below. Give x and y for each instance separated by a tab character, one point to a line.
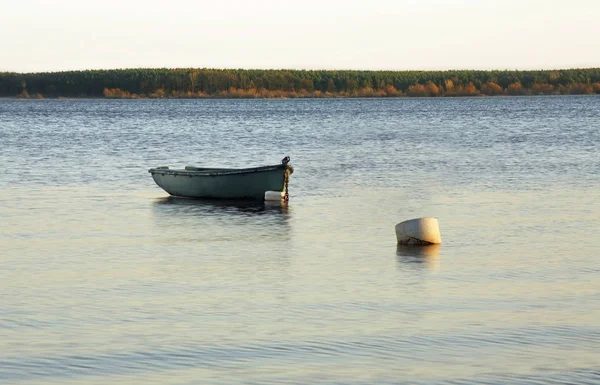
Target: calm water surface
104	279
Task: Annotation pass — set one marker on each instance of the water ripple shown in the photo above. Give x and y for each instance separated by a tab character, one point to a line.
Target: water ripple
104	279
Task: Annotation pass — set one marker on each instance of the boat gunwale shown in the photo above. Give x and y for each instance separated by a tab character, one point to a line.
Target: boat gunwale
216	171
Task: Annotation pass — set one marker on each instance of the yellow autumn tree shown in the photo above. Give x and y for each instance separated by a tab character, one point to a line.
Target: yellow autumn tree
118	93
542	89
431	89
159	93
471	90
468	90
392	91
580	89
366	92
516	89
417	90
491	89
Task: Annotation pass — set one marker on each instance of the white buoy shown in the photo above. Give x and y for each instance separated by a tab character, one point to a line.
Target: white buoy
419	231
274	195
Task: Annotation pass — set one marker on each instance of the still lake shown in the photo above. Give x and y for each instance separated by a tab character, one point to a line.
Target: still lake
106	280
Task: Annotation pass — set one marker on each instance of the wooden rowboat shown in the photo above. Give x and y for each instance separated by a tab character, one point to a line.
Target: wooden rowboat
224	183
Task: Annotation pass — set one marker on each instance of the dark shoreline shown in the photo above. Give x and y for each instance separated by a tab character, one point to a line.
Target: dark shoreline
192	83
293	98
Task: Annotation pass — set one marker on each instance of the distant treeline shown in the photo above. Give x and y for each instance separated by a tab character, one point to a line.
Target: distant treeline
239	83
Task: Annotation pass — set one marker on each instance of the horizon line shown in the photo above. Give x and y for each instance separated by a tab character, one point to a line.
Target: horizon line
297	69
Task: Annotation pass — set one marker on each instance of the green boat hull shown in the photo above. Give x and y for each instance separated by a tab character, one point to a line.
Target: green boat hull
222	183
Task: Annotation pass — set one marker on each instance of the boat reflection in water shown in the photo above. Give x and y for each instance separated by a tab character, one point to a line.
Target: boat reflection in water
232	220
189	205
425	256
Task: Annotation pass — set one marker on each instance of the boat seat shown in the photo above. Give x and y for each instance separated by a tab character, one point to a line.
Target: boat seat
192	168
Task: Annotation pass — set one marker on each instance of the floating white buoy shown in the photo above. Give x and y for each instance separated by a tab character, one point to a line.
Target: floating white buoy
273	195
419	231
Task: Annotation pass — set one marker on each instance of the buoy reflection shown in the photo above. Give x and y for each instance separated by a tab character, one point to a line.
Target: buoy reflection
426	255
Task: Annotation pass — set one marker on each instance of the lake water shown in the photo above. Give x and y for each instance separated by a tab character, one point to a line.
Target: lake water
106	280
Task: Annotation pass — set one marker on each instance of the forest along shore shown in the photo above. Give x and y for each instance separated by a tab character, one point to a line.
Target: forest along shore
240	83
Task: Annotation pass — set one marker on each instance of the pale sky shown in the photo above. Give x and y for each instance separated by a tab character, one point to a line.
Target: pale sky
50	35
